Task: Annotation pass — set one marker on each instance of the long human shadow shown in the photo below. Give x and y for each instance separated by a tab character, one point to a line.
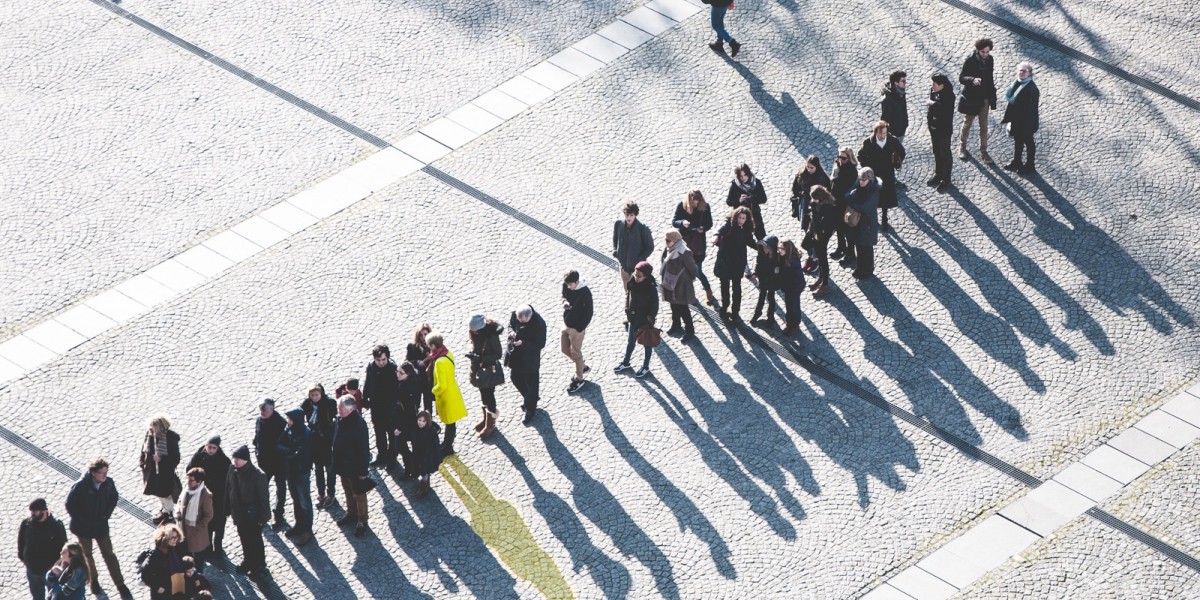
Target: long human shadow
327	578
609	575
786	115
594	501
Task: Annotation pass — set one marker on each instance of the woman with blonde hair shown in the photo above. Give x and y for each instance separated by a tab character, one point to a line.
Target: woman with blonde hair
164	572
693	219
160	457
447	398
845	177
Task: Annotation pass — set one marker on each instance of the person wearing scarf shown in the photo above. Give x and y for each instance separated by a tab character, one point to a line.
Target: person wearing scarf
194	512
160	457
1021	118
679	271
746	190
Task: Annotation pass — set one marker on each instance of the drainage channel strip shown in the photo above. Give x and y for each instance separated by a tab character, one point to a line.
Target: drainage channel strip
810	364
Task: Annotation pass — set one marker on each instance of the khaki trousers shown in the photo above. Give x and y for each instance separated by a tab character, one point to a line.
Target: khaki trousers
572	346
110	560
983	129
356	504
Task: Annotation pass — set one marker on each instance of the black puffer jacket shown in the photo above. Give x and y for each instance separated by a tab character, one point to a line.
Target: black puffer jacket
527	357
731	253
216	469
266	443
894	109
90	508
579	314
642	307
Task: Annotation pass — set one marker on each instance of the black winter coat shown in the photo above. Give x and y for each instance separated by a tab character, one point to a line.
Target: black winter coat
844	180
380	390
758	197
485	348
40	542
976	95
731	252
695	235
296	446
883	162
416	354
246	498
405	417
266	443
427	448
791	278
159	480
351	447
768	268
158	570
894	109
642	306
825	221
1022	112
578	315
320	424
801	193
940	115
216	470
526	358
90	508
631	245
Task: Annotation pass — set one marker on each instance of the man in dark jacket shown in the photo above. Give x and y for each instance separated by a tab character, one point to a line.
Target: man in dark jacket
717	20
940	117
1021	115
90	504
351	455
883	153
641	310
381	392
212	459
632	241
894	108
39	542
267	430
978	79
577	315
296	446
248	503
526	338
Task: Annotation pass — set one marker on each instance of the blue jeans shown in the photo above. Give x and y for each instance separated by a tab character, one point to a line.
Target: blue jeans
301	502
37	582
633	342
718	23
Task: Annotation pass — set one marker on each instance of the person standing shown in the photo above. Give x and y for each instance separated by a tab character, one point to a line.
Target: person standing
526	339
883	153
447	398
632	241
194	512
746	190
1021	116
577	315
417	353
940	117
296	446
826	219
351	458
320	411
248	503
66	578
486	371
90	504
791	281
811	174
845	177
268	428
978	78
894	108
40	540
641	310
164	572
766	274
732	240
412	385
679	270
426	454
381	392
160	457
864	199
212	459
693	219
717	19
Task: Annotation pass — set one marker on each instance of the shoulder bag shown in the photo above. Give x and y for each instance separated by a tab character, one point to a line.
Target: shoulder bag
851	217
649	336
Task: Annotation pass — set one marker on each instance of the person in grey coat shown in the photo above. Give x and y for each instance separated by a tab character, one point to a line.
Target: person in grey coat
679	270
1021	116
632	242
865	199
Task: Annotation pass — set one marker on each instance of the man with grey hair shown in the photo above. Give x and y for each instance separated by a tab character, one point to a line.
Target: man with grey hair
351	455
526	338
1021	118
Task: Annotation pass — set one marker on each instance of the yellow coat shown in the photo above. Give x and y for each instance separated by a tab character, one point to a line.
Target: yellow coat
447	398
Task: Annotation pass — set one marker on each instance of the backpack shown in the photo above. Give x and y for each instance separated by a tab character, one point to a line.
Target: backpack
143	559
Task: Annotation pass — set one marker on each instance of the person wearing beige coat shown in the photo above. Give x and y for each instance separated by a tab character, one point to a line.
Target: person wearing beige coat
678	289
194	512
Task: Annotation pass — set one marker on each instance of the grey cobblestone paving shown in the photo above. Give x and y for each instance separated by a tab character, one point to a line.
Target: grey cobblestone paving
1163	501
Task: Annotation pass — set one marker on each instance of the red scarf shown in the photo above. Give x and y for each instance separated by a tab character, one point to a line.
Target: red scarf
433	356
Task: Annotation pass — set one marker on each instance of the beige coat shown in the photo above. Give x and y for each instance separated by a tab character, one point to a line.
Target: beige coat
684	265
196	537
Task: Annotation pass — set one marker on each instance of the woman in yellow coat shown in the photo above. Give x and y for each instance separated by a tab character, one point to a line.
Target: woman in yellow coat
447	398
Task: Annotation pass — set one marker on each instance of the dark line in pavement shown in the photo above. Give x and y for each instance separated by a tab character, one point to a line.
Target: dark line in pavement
1138	534
1053	44
283	94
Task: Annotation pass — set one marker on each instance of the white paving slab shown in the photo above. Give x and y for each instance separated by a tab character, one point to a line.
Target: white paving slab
26	353
576	62
647	20
1047	508
287	217
85	320
474	118
260	231
422	148
1115	464
625	34
55	336
1142	446
146	290
205	261
600	48
10	371
232	246
955	569
675	9
448	133
1168	428
885	592
500	104
921	585
526	90
1087	481
175	275
1186	406
553	77
116	306
993	541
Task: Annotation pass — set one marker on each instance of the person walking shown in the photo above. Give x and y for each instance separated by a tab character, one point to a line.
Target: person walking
827	217
350	461
845	177
791	283
883	153
381	393
40	541
641	309
632	241
1021	116
978	79
412	386
248	504
766	275
160	457
526	338
732	240
864	199
447	398
893	103
417	353
693	219
194	512
940	117
717	20
165	573
486	371
746	190
320	412
268	428
577	315
211	458
67	578
679	270
296	446
90	504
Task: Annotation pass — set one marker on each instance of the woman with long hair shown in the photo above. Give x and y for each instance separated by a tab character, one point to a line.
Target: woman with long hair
447	398
732	241
845	177
747	191
693	219
678	270
160	457
826	217
791	282
68	578
486	353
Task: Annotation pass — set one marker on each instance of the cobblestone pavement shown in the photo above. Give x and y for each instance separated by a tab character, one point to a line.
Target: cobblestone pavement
1029	318
1163	503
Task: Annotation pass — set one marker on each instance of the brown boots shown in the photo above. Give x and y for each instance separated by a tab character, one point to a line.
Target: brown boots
489	424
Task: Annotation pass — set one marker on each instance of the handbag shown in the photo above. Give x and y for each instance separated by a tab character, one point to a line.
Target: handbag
487	376
669	279
810	240
649	336
851	217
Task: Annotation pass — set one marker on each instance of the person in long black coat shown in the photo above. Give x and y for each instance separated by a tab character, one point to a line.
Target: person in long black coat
978	78
1021	115
216	464
826	219
746	190
883	153
160	457
380	395
417	353
768	268
844	178
693	219
351	458
486	354
404	422
641	309
940	118
811	174
864	199
267	429
732	241
320	412
526	339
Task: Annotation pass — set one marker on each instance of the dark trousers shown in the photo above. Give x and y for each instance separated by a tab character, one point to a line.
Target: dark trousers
110	560
216	527
943	157
448	439
280	492
682	315
325	479
380	421
37	582
767	295
630	343
866	259
1024	142
822	252
254	553
700	275
400	443
736	283
792	303
527	383
488	396
301	491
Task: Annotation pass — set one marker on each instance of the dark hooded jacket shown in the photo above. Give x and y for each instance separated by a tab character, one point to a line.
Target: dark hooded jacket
768	266
380	390
321	418
266	442
642	306
90	507
296	446
975	95
216	470
578	315
894	109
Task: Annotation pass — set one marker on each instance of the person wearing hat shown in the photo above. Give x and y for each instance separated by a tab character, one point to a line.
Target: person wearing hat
39	542
296	446
485	355
641	310
91	503
248	503
679	270
268	428
526	339
215	463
